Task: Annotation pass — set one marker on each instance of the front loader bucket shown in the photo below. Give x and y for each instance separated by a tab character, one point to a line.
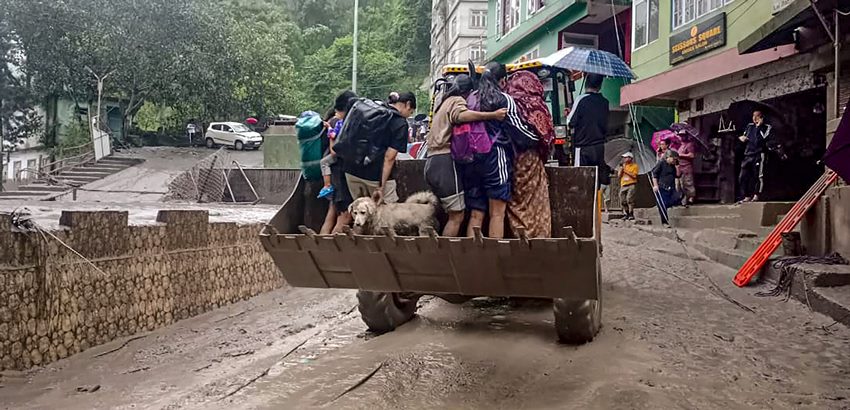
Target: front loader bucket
563	267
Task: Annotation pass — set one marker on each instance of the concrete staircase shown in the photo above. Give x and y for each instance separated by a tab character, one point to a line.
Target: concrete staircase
726	234
729	234
65	181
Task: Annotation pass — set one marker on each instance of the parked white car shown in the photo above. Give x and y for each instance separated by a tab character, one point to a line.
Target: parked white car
232	134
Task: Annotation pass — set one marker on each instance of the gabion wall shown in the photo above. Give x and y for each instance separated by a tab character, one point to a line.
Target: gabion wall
54	304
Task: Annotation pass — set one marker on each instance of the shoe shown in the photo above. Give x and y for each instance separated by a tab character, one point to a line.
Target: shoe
326	192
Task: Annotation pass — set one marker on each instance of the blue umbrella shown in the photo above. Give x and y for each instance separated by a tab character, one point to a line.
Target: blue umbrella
589	60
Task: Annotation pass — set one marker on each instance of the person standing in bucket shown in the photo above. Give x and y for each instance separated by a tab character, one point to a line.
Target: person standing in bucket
628	173
487	180
589	121
441	172
370	178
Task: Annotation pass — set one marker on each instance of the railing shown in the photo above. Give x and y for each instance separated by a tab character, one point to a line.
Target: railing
68	158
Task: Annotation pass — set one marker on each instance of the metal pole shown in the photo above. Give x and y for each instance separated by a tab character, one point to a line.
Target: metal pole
354	56
836	89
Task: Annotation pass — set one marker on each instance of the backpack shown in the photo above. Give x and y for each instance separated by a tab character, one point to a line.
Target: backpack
470	138
361	140
310	130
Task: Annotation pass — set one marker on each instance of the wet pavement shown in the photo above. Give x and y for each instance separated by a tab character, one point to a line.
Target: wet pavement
670	340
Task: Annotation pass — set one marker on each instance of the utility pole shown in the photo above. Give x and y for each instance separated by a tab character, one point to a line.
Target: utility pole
354	57
100	81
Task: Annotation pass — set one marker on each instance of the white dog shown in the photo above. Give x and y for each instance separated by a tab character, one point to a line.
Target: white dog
409	218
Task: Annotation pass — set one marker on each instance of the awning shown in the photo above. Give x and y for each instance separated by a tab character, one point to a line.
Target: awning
673	84
779	30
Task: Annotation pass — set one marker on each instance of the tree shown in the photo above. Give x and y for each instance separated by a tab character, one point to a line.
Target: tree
19	118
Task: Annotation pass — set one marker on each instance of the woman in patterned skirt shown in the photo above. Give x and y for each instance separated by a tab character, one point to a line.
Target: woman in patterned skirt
529	208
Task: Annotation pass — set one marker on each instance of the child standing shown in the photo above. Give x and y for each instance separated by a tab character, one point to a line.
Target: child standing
628	183
341	107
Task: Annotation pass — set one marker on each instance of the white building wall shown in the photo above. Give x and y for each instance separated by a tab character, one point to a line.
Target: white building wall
452	34
21	160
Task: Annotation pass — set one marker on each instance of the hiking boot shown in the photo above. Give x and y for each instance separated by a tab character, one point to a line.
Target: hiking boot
326	192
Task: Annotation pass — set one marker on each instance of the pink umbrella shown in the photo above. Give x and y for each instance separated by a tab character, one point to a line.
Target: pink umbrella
252	121
672	138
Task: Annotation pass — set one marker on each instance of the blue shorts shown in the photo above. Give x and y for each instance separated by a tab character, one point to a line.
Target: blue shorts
488	177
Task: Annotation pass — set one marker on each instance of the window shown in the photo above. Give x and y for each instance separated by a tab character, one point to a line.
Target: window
511	17
579	40
686	11
453	29
645	27
31	168
499	18
534	6
478	19
531	55
477	54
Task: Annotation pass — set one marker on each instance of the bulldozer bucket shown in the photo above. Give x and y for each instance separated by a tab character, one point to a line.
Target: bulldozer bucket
565	266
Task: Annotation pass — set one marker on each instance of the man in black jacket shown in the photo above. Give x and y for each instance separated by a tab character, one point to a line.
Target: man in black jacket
589	121
756	137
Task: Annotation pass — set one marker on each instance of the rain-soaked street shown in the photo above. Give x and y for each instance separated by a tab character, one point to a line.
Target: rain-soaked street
668	341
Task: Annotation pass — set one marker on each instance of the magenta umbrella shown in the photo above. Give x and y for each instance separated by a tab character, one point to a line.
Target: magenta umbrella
672	138
252	121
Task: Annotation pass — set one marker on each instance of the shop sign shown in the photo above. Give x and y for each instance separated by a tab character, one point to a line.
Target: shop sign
699	39
778	5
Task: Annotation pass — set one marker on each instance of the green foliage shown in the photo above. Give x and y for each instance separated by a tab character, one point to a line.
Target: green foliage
217	59
18	117
75	134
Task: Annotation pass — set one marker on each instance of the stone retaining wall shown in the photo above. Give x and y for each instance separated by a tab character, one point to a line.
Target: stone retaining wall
54	304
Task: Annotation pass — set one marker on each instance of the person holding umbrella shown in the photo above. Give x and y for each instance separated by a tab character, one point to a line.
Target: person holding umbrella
756	136
589	120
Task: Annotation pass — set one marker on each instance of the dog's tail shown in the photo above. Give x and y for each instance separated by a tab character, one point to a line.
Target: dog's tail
424	198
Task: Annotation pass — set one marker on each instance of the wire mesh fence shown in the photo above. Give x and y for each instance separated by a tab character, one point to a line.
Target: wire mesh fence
205	182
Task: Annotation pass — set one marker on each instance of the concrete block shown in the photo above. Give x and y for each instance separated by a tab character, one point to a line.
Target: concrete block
97	234
185	229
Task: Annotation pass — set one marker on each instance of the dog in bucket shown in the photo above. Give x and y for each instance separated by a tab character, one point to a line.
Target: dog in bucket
413	217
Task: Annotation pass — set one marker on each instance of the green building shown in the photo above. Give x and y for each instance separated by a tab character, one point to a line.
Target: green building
528	29
686	55
536	28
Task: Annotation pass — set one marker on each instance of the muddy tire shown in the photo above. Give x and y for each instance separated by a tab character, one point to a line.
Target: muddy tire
384	312
455	299
577	321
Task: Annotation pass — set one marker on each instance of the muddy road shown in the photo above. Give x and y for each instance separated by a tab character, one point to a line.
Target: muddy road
668	342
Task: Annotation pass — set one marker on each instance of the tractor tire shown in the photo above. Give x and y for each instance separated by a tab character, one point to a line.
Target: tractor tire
384	312
577	321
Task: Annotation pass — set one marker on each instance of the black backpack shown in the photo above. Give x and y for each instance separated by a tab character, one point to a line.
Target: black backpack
362	139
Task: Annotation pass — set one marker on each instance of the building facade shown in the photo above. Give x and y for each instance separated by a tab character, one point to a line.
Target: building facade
458	33
686	55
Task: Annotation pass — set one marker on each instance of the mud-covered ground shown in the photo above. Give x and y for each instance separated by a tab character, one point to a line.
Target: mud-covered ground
667	343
